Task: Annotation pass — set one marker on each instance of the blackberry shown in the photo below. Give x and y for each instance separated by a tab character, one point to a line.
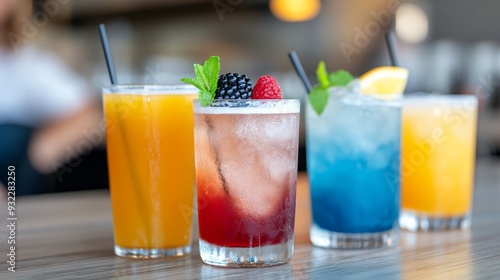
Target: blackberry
233	86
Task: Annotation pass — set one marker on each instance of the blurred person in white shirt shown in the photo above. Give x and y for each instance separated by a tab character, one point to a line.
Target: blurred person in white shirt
44	107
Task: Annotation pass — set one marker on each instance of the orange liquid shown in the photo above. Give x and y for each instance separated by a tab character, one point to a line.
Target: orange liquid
438	154
151	168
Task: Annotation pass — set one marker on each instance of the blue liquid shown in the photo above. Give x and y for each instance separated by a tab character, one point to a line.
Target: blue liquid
353	157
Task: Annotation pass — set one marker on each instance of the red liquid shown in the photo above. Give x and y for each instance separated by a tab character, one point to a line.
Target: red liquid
222	223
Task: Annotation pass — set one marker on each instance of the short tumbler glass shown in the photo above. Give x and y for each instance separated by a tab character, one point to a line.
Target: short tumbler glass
353	165
246	175
438	156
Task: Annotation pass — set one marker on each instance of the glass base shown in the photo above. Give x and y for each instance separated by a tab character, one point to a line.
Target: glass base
139	253
246	257
414	222
339	240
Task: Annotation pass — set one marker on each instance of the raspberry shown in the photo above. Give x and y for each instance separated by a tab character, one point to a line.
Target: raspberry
233	86
267	88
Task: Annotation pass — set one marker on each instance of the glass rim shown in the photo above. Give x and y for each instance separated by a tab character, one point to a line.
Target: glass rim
362	100
149	89
249	106
438	98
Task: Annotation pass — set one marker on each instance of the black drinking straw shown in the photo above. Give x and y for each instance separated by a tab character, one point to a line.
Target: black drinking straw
107	54
300	70
391	48
114	80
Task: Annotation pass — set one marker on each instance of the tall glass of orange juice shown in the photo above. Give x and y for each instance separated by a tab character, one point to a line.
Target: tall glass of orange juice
149	134
438	158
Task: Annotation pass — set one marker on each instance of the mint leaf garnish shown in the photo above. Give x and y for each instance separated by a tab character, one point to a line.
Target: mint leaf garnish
206	98
191	81
322	74
201	76
212	68
206	79
340	78
318	97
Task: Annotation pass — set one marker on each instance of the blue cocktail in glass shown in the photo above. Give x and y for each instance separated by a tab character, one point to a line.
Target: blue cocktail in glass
353	163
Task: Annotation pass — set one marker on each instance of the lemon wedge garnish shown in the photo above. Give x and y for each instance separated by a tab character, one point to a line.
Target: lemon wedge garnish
386	80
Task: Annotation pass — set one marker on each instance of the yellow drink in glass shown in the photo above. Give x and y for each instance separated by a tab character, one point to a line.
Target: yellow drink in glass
149	133
438	156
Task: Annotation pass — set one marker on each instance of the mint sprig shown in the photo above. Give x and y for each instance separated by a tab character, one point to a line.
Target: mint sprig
206	79
340	78
319	95
322	74
319	98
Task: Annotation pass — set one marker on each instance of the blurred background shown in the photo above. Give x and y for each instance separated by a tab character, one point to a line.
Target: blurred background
52	66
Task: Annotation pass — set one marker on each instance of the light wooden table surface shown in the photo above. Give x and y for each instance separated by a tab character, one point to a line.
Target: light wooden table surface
69	236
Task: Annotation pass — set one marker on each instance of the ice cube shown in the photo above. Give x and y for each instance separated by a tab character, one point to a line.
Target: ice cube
207	178
243	171
279	128
252	192
255	154
278	162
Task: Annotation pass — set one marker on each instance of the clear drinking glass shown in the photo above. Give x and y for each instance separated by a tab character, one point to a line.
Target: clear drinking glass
246	175
353	160
149	134
438	156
